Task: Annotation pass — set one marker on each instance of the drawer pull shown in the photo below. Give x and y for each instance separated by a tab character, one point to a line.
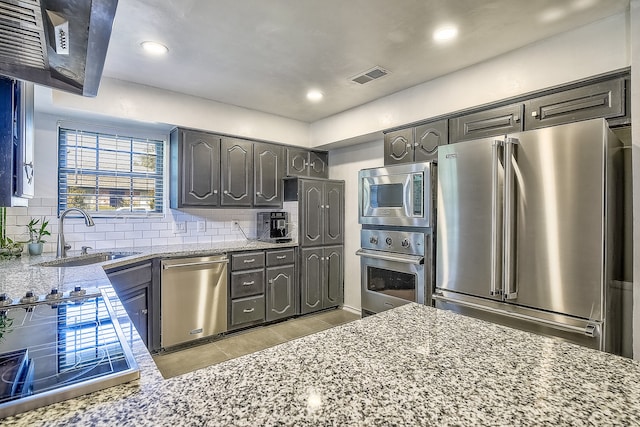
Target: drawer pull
249	283
246	261
248	310
281	257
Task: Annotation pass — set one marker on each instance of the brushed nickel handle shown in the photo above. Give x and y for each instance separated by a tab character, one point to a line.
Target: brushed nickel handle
249	283
250	310
246	261
281	256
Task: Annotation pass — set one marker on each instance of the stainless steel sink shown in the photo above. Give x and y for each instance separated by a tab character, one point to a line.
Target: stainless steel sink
87	259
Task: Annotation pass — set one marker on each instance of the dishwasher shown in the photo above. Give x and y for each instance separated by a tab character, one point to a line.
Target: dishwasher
193	299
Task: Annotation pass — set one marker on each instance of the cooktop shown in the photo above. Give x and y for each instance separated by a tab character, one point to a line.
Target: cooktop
57	347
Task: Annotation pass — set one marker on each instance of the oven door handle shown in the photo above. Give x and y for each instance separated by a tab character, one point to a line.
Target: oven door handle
386	256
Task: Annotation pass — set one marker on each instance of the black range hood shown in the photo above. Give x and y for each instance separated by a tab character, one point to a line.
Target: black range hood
56	43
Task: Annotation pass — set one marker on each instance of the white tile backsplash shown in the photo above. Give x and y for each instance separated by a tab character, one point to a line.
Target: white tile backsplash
124	232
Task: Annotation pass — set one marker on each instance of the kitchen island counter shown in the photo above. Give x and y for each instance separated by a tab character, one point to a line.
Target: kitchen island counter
413	365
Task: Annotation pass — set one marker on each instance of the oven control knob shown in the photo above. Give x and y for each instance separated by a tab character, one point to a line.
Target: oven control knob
29	297
406	243
389	241
373	240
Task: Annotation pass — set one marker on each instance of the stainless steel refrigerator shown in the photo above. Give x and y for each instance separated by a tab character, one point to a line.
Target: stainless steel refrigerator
529	231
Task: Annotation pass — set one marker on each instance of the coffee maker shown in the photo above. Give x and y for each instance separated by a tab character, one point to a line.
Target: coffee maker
273	227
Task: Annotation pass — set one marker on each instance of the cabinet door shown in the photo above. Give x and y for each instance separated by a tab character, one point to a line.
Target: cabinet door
398	146
136	303
237	172
268	164
311	212
281	298
297	161
428	137
318	164
496	121
605	99
199	169
311	280
333	274
333	213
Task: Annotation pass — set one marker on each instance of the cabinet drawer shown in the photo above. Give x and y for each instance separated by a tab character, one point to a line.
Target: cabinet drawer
247	310
280	257
130	277
247	261
247	283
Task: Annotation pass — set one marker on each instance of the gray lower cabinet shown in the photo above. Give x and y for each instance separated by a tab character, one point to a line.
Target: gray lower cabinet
604	99
491	122
194	169
321	278
134	287
263	287
416	144
281	292
236	181
301	162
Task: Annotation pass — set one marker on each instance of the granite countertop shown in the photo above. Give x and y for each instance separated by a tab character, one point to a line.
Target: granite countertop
24	273
413	365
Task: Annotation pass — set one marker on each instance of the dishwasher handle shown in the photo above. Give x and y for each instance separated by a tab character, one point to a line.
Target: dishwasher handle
195	264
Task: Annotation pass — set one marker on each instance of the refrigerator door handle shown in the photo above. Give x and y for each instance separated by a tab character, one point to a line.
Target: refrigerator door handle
509	286
496	219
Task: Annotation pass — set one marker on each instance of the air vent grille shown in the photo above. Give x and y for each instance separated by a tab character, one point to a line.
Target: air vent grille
22	39
369	75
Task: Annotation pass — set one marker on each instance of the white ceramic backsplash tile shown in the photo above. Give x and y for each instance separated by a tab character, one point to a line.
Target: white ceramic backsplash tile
121	232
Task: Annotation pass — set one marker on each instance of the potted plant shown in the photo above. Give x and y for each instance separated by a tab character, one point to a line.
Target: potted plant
37	229
8	248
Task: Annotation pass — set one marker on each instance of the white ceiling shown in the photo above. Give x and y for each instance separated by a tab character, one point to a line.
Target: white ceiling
265	55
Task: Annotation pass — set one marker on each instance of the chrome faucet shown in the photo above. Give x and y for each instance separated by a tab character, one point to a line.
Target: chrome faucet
61	252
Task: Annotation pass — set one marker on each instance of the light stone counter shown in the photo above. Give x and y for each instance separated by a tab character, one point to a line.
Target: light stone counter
413	365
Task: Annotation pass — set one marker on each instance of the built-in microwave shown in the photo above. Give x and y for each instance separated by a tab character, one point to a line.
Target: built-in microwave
398	195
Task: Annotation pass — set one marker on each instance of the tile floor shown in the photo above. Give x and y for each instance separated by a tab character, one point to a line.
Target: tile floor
176	363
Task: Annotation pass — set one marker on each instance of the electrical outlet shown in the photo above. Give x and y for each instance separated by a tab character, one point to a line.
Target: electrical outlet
179	227
235	225
202	226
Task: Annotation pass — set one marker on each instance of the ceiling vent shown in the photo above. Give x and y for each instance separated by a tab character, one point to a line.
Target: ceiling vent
372	74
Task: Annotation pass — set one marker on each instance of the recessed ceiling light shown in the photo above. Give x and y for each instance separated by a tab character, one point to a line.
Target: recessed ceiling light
314	95
446	33
154	48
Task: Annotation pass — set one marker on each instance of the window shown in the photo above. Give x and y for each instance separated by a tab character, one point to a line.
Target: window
109	173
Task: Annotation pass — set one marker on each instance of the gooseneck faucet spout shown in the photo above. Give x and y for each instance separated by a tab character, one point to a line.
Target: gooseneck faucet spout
61	251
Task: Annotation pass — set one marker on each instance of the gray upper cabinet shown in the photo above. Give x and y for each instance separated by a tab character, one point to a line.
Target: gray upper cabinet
268	165
604	99
195	169
321	212
398	146
301	162
236	183
482	124
415	144
427	139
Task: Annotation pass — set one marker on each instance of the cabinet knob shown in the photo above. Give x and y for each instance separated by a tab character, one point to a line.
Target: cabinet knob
271	281
144	311
225	192
534	114
215	191
516	118
258	194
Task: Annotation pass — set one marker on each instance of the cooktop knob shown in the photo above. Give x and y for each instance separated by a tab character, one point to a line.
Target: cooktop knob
406	243
389	241
5	300
29	297
53	295
373	240
77	292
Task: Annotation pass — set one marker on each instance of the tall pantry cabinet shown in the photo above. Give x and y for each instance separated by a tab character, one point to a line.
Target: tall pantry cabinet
321	239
